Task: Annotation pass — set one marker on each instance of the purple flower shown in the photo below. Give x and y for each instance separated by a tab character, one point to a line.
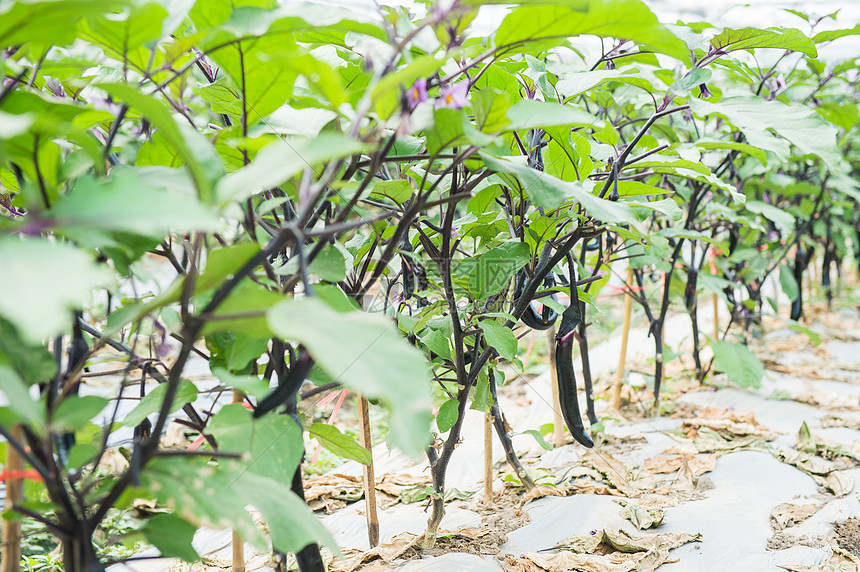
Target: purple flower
455	232
454	96
417	93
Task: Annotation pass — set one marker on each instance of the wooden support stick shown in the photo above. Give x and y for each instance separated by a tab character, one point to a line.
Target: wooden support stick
558	426
715	300
625	332
369	479
238	543
14	494
488	458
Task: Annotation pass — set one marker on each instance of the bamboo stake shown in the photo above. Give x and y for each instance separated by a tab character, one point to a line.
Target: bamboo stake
11	561
369	479
238	543
715	301
625	331
557	420
488	458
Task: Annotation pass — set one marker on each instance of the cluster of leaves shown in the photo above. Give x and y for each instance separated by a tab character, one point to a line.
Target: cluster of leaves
373	200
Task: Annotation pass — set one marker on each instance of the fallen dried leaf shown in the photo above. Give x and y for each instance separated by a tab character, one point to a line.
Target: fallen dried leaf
786	514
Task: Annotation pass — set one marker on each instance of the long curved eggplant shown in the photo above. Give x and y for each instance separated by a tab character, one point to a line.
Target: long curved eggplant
570	320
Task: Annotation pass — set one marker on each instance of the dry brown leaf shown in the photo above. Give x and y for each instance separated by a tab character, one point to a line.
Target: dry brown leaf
786	514
730	428
387	552
699	464
613	471
565	561
822	472
643	517
541	491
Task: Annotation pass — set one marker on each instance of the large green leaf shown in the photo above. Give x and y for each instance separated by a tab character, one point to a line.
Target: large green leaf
195	150
22	407
739	364
529	114
32	362
171	535
282	160
272	444
203	494
787	282
42	282
490	272
261	86
124	202
50	22
828	35
291	524
798	124
364	352
749	38
342	445
500	337
530	27
122	36
549	192
151	403
783	220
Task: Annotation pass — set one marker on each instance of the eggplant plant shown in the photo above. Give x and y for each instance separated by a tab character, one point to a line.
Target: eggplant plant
298	197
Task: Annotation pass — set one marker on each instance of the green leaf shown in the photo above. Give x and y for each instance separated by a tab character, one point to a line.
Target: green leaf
482	399
247	384
123	202
491	271
203	494
398	190
438	343
739	364
549	192
751	150
121	36
448	415
342	445
811	334
281	160
366	353
329	265
448	129
783	220
48	22
798	124
272	444
74	412
527	28
32	362
249	302
539	438
23	408
386	94
42	283
829	35
787	282
151	403
749	38
291	524
529	114
192	146
500	337
172	536
692	79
